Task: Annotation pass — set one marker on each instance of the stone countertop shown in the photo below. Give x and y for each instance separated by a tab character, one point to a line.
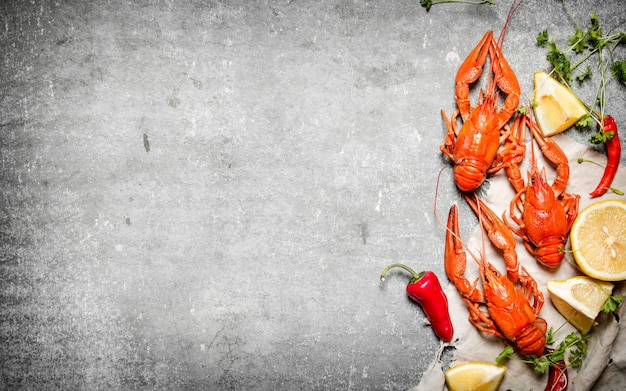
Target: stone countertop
202	194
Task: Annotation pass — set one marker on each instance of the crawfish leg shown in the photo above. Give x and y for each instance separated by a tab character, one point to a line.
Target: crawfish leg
455	260
481	320
448	146
513	152
531	290
498	234
570	204
517	203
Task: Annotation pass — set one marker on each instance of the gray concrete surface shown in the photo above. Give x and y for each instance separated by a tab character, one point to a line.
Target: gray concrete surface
202	194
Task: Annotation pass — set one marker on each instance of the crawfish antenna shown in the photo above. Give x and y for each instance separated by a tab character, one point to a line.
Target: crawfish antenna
514	6
440	221
532	150
435	203
482	232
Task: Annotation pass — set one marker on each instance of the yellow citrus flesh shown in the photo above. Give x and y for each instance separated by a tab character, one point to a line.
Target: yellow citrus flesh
475	376
579	299
556	107
598	239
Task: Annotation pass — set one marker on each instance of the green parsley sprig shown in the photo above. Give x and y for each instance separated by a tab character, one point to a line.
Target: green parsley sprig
429	3
581	45
611	304
587	42
573	344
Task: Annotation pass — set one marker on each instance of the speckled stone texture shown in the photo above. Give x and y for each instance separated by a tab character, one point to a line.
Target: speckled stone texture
202	194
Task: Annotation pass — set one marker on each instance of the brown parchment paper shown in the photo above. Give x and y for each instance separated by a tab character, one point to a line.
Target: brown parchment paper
605	363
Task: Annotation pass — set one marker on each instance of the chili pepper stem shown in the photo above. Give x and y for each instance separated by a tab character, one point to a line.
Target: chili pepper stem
416	276
583	160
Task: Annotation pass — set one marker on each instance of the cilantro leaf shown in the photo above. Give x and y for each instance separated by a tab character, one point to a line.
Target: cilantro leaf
541	364
586	121
594	34
550	336
426	4
576	355
584	75
600	137
618	69
560	62
504	355
611	304
573	345
542	38
577	41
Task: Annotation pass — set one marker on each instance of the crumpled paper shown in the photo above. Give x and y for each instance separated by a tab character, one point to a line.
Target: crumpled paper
605	363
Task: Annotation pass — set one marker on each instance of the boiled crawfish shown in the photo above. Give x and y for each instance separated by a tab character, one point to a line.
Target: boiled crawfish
474	147
513	301
546	213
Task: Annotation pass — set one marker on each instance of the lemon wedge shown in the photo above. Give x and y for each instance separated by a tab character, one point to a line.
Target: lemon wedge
475	376
556	107
579	299
598	239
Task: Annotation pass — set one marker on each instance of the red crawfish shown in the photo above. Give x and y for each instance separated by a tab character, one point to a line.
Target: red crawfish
512	301
546	213
474	147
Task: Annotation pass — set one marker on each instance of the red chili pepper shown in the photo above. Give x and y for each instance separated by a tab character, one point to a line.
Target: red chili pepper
557	377
613	151
425	289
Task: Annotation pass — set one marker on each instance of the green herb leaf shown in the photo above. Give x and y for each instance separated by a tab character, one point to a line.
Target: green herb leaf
550	336
560	62
586	121
577	41
585	75
618	69
576	358
542	38
426	4
541	364
601	137
594	34
576	355
611	304
504	355
571	339
573	344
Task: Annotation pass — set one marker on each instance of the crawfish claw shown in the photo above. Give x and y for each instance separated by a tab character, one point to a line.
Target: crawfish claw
455	259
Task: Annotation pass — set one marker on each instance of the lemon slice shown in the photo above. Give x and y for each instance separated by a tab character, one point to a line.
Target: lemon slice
579	299
556	107
598	238
475	376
